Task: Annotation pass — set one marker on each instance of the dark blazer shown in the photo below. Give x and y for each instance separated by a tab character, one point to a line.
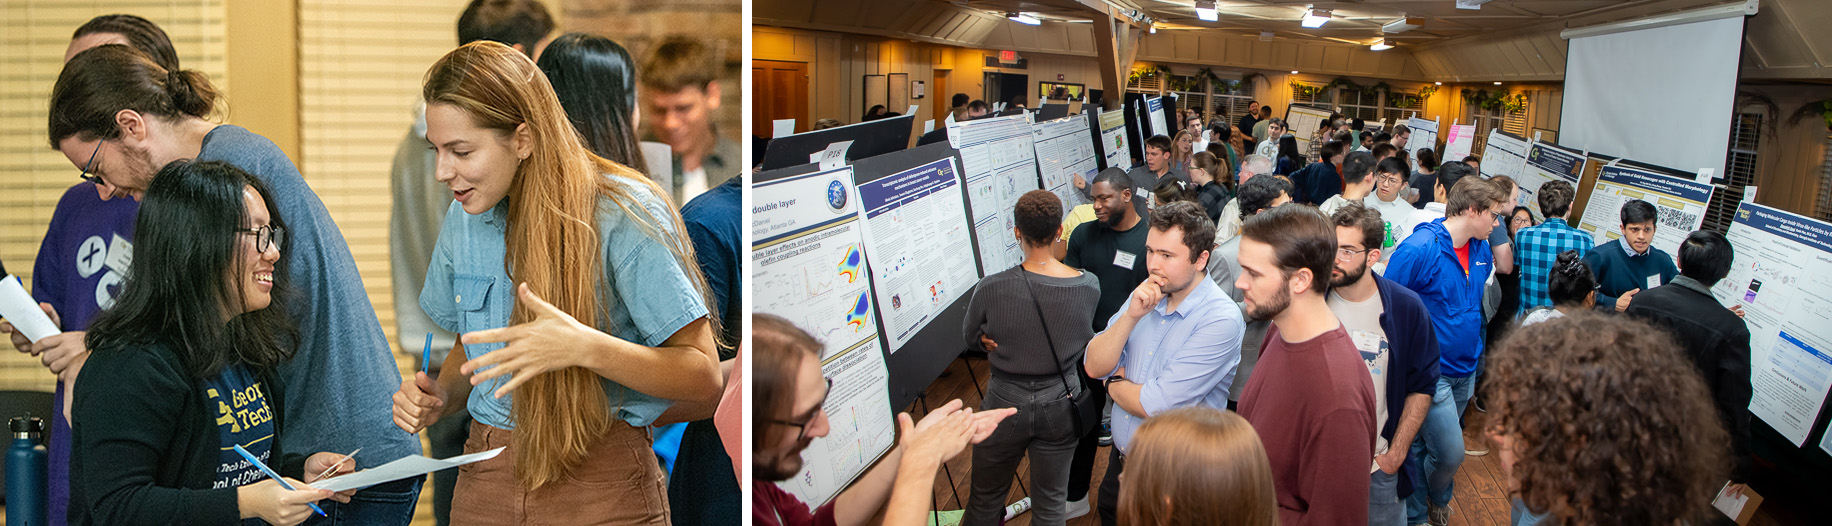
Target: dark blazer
1718	343
144	442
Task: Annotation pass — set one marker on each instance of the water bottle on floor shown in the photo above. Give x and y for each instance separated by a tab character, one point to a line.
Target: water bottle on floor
25	473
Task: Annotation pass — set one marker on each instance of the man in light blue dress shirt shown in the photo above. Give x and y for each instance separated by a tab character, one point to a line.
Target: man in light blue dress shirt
1177	342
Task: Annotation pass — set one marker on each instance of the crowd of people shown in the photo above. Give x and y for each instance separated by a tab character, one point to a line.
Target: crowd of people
1324	338
579	282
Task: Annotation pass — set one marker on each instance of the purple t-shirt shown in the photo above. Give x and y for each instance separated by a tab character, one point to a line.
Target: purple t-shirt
80	266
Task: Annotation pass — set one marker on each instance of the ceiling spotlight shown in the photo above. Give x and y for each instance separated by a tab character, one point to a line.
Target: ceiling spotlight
1205	10
1497	83
1154	28
1294	72
1402	25
1382	45
1315	18
1023	18
1437	84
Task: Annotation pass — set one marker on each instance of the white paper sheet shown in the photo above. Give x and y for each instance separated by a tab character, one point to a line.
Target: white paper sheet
782	128
1732	507
18	307
408	466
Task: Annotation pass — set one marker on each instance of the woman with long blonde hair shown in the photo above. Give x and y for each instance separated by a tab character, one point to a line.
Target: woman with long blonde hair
1197	466
1181	149
584	316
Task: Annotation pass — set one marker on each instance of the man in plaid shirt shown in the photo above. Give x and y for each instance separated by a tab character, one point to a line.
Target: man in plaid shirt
1537	247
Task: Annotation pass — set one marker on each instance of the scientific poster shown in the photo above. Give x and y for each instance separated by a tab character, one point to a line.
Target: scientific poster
1063	152
1504	155
1424	135
1113	139
1000	164
916	227
1160	125
1545	163
1458	142
1303	121
809	267
1679	205
1783	267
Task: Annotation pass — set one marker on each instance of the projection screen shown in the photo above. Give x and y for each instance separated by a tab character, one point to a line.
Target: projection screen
1661	95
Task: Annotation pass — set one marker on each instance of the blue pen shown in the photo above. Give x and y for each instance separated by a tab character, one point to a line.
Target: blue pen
270	474
426	356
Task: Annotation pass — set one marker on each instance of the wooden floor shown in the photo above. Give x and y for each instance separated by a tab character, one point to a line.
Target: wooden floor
1481	497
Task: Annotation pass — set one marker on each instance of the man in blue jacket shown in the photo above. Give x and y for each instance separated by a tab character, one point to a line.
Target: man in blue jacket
1391	328
1447	261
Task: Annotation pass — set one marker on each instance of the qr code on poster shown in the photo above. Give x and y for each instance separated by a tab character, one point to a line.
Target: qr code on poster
1674	218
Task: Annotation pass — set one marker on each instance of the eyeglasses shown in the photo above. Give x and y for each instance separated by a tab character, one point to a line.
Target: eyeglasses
1343	254
811	418
265	237
96	179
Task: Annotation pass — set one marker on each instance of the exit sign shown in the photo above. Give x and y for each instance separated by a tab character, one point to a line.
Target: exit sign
1008	56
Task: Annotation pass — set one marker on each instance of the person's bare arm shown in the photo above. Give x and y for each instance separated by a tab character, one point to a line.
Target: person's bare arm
692	411
1410	418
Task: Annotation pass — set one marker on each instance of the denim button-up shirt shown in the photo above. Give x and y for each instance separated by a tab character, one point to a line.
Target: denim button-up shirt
1181	358
647	293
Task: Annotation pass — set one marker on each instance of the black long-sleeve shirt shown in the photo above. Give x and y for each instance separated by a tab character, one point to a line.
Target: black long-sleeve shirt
145	444
1718	343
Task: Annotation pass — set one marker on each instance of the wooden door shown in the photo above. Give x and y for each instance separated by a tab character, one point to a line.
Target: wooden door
779	91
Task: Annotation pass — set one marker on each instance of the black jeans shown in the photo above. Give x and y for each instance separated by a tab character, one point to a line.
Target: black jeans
1110	488
1044	427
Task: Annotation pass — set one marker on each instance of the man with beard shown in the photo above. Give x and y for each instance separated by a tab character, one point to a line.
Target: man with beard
1447	261
1310	399
787	415
1176	344
1112	247
1392	331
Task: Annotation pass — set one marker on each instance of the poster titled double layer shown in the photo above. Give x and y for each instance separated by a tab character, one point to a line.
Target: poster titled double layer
809	266
1780	275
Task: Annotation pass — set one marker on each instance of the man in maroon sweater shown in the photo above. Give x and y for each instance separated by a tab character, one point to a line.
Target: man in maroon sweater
1310	397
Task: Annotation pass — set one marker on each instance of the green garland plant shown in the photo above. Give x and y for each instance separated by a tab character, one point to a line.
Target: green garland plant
1509	103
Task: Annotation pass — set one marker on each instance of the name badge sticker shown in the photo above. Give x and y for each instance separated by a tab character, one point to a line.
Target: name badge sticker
1124	259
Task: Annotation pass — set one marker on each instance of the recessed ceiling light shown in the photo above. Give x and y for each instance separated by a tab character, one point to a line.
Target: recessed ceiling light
1205	10
1382	45
1437	83
1497	83
1314	18
1023	18
1294	72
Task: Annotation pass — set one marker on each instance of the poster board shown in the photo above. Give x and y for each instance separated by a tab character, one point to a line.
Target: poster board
869	139
1458	141
1678	202
1114	150
1781	270
1050	112
932	347
1424	135
1545	163
1301	121
917	227
1504	154
809	267
999	163
1064	150
1160	124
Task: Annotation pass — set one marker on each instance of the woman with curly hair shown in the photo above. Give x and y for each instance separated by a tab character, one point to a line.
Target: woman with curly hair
1602	420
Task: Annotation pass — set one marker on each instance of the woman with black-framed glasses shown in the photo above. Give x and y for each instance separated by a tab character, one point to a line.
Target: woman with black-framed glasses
184	366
